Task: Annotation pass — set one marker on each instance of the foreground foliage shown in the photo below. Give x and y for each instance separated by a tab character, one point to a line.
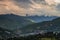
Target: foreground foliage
45	36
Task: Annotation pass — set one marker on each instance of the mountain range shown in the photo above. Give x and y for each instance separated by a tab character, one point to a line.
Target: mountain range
41	18
16	25
12	22
46	26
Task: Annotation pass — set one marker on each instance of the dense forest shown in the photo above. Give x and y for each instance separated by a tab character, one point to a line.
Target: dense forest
45	36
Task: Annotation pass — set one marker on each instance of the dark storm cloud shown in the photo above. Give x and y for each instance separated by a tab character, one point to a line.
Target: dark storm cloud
23	3
29	1
58	7
26	3
0	0
40	2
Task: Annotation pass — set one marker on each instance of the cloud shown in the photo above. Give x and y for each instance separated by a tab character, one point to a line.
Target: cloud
11	7
50	2
57	1
32	7
39	8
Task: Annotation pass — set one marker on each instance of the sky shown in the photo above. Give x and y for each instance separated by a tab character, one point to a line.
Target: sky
31	7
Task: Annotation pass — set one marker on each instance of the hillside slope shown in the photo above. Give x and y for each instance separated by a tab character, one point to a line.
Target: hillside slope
45	26
13	22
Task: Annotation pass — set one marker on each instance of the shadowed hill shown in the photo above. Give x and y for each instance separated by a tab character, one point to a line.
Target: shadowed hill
5	33
45	26
11	21
14	22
